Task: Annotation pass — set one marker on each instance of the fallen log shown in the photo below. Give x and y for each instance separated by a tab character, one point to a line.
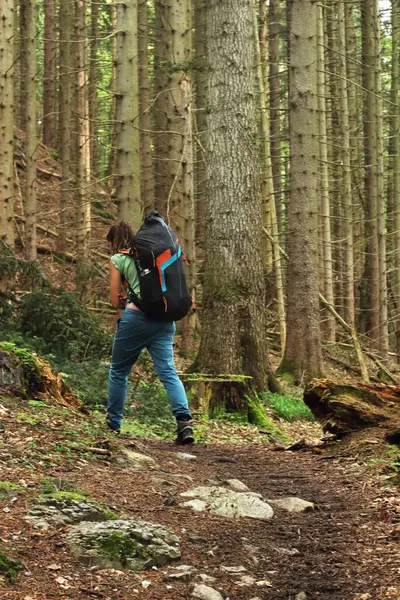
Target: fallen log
343	408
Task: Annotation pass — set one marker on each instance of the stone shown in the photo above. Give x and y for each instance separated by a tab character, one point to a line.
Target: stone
181	573
237	486
63	508
196	539
288	551
207	578
183	477
245	580
238	569
123	544
264	583
196	505
185	456
292	504
301	596
138	461
227	503
204	592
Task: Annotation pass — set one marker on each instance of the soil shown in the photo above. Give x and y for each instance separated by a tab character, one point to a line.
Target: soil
348	548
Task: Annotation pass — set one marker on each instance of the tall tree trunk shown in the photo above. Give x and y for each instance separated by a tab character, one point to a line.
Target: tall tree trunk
83	210
6	121
30	202
146	157
371	274
303	356
274	101
327	271
200	58
65	70
113	107
93	83
17	64
233	280
127	115
23	60
395	97
50	74
346	189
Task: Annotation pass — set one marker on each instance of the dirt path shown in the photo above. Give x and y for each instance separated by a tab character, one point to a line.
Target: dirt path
347	549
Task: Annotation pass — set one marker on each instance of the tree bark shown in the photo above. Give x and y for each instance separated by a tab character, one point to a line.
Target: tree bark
30	200
233	279
395	97
274	103
50	75
65	70
127	115
6	122
329	328
23	58
146	156
303	356
93	83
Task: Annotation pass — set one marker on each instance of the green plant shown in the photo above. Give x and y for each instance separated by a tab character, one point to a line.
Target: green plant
8	488
288	408
9	567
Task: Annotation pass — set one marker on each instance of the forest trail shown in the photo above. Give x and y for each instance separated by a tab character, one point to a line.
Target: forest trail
345	549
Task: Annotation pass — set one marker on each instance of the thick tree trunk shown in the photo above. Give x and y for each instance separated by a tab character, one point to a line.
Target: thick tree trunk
343	408
6	122
65	119
329	325
303	356
127	115
50	74
274	102
233	280
23	58
30	201
146	156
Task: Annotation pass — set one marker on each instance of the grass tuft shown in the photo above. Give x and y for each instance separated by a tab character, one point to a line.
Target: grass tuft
288	408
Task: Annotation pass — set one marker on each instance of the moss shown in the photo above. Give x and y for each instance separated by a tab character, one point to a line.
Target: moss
31	363
9	567
71	496
110	515
119	545
7	488
258	417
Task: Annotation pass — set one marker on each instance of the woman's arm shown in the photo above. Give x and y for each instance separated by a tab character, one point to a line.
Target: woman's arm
117	298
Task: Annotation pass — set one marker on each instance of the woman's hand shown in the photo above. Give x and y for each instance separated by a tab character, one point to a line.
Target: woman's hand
118	299
122	300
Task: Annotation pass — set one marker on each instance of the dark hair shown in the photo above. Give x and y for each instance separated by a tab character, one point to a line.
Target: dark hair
120	236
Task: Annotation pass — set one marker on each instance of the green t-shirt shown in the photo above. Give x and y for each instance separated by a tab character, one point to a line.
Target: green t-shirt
126	266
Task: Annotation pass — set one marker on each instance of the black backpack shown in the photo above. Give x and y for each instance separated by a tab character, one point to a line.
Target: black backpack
159	262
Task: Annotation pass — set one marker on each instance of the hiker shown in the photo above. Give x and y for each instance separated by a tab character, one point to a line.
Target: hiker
136	330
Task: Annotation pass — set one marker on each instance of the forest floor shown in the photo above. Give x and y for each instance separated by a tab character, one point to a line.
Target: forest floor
345	549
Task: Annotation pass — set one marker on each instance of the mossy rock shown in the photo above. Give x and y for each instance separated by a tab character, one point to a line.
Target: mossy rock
9	568
60	508
124	544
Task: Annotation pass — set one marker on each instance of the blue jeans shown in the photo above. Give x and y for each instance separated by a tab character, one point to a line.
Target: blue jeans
136	332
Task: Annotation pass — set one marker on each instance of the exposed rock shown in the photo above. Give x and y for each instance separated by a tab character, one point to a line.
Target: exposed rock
182	477
181	573
196	539
227	503
62	508
124	544
185	456
237	486
288	551
196	505
245	581
207	578
264	583
292	504
301	596
236	569
204	592
140	462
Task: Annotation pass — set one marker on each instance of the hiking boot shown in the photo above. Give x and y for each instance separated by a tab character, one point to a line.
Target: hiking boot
185	432
114	429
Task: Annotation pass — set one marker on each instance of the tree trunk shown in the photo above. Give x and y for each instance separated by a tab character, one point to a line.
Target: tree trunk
371	273
65	119
93	83
274	102
30	202
83	212
113	107
127	115
396	160
50	74
348	264
6	122
23	59
303	356
343	408
329	326
146	156
233	279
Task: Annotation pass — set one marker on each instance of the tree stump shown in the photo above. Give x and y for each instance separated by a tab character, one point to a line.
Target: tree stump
342	408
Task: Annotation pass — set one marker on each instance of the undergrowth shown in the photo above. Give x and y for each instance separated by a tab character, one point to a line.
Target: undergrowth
287	408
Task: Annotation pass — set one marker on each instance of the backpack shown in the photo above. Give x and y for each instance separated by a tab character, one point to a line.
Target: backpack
159	262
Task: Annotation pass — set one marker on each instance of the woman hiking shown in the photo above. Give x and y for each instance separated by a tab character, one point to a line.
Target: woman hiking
135	331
